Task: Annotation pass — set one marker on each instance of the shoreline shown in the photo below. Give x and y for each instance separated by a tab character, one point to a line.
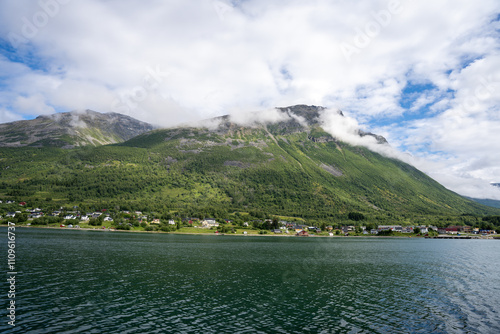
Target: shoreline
444	237
214	234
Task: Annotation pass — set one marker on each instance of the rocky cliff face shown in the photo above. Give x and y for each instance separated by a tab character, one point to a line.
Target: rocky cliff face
72	129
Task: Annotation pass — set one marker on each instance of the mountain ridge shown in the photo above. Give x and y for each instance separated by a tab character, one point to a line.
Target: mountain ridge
292	119
71	129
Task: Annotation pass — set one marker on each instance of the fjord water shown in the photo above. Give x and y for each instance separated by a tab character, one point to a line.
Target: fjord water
112	282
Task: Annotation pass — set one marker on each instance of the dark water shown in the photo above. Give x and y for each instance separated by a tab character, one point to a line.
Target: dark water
111	282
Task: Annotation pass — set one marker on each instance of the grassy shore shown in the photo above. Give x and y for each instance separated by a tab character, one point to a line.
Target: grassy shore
107	226
204	231
239	232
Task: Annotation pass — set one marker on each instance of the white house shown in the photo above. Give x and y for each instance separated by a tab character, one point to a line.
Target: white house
209	222
108	219
171	222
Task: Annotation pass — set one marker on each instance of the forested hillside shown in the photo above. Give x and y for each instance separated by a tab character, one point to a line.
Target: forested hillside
281	169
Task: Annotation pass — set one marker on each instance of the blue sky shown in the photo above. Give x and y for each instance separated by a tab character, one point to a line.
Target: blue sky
425	74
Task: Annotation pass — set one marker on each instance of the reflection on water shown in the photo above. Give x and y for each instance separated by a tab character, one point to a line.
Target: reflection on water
104	282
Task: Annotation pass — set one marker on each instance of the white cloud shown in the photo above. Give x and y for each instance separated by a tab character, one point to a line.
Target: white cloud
258	117
347	129
33	105
216	57
8	116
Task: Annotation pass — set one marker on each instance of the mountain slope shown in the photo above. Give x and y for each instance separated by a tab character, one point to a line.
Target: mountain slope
300	167
71	129
488	202
290	167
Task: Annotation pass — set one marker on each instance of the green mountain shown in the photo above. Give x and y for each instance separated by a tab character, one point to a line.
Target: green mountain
72	129
288	167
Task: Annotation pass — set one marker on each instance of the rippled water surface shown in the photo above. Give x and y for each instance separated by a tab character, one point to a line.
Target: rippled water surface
112	282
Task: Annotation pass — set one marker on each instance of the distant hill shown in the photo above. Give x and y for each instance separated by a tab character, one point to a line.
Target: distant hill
71	129
489	202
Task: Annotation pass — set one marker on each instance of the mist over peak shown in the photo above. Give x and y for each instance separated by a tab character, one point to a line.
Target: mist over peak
301	118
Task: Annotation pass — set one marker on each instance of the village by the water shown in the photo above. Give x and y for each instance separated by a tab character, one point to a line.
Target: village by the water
123	220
